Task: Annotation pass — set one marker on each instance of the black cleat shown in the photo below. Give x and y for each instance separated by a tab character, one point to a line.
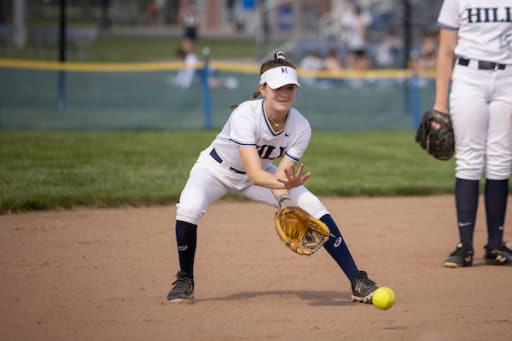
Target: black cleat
462	256
182	290
499	256
363	288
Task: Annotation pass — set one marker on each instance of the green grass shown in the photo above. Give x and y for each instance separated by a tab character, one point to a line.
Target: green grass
134	49
124	49
45	170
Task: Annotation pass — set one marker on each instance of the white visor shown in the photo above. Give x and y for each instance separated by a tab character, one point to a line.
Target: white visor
279	76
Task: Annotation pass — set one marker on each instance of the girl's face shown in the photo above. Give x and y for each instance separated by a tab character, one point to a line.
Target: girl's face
279	100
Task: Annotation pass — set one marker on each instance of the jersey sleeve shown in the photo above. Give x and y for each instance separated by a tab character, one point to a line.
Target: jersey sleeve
300	143
243	127
449	15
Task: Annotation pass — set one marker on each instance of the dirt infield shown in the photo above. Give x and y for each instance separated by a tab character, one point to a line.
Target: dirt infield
103	274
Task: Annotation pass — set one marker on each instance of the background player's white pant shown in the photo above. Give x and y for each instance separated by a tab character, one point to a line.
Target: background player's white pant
209	181
481	111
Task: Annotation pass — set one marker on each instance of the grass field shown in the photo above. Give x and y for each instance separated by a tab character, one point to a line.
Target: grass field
45	170
120	49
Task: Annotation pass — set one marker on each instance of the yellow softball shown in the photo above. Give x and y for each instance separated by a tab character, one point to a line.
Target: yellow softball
383	298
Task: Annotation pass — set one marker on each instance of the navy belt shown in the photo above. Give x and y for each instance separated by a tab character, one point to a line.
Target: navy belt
482	65
217	158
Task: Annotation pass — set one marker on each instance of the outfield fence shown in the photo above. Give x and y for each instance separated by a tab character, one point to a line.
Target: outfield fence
38	95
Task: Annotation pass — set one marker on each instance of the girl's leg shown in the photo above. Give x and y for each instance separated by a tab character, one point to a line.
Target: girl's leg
201	189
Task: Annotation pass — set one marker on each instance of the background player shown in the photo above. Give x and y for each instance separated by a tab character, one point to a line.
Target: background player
239	160
476	37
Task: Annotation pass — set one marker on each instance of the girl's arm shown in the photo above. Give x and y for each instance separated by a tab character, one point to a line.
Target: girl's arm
286	176
444	67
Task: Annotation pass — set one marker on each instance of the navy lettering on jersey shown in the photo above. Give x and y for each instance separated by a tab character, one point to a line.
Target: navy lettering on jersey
489	15
473	13
265	152
486	11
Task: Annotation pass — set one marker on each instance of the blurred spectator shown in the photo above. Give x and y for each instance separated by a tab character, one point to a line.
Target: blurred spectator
354	23
285	16
230	10
162	8
154	10
311	63
189	19
424	57
310	14
388	49
428	53
263	14
332	61
105	21
187	75
247	15
190	74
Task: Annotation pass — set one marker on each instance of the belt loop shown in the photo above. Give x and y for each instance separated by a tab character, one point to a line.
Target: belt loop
215	156
463	61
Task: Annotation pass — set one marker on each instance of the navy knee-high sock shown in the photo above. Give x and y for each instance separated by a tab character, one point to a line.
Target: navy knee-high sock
186	238
466	203
338	249
496	195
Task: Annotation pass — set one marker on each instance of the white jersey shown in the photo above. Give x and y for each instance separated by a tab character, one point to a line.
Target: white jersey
219	168
484	28
248	126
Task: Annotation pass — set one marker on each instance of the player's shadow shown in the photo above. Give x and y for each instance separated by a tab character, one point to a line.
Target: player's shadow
314	298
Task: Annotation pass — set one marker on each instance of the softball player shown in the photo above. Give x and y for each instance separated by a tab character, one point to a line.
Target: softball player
476	49
240	159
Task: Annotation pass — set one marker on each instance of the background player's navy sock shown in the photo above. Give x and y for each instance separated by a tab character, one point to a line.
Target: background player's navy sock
496	195
338	249
466	203
186	238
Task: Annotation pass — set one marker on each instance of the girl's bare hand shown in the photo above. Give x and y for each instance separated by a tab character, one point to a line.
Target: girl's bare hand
295	178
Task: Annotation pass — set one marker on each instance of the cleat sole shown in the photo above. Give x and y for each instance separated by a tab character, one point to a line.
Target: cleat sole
365	300
188	300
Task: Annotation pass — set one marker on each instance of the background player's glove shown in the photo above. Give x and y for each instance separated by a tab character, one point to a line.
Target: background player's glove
435	134
301	232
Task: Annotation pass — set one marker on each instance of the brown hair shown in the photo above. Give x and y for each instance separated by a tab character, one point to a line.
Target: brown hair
278	61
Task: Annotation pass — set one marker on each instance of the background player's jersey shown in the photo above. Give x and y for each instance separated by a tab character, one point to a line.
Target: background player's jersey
248	126
485	28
